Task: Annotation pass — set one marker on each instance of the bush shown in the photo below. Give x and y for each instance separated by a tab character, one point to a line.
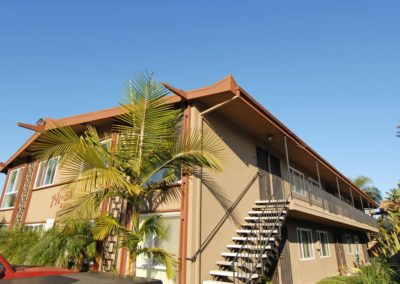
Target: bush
55	247
377	272
16	243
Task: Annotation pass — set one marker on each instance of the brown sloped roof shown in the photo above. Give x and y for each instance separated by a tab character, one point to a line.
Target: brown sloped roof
228	84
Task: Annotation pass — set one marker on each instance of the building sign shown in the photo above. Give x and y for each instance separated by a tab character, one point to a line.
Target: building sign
60	198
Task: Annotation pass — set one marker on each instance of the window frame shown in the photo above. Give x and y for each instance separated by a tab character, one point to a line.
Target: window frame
319	233
356	242
18	178
46	163
150	264
293	170
300	241
350	249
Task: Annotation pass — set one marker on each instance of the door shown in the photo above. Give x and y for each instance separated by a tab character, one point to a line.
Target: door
263	166
285	265
339	249
275	166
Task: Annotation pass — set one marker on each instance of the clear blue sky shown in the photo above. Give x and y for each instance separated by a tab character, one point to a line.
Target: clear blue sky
330	70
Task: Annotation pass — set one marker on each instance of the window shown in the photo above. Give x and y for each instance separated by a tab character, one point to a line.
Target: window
35	226
324	243
306	244
46	172
349	243
298	181
314	188
13	183
356	243
145	265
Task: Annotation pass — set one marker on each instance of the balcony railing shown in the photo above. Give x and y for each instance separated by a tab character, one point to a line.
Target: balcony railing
315	196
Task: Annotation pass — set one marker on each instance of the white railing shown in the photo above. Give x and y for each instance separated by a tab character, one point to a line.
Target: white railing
316	196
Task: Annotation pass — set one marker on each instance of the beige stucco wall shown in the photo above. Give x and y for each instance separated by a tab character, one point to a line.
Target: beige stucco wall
44	204
5	215
311	270
239	167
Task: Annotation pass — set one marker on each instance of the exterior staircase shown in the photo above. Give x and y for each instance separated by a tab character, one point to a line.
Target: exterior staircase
254	251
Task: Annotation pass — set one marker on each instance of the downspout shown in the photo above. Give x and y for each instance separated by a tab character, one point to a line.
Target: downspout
183	233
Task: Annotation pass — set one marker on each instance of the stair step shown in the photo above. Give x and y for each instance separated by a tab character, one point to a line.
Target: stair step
270	206
229	263
275	201
243	239
231	274
256	218
215	282
264	226
242	255
252	247
246	232
253	212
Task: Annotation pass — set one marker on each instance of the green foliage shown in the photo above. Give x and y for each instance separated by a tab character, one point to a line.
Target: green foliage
136	240
394	194
377	272
364	183
16	243
388	247
141	167
51	248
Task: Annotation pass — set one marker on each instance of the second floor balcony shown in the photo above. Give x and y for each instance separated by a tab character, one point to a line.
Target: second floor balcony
310	201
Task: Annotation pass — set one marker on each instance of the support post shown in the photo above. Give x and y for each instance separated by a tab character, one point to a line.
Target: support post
288	166
338	188
351	194
319	183
362	205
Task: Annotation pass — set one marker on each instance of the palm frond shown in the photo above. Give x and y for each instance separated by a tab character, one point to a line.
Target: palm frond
161	256
105	225
152	225
200	149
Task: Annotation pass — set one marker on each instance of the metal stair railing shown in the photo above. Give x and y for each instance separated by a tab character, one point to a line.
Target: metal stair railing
246	264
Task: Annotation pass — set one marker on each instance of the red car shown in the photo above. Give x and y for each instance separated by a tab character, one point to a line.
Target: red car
7	271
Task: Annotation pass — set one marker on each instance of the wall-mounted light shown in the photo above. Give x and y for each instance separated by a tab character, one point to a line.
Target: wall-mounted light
269	137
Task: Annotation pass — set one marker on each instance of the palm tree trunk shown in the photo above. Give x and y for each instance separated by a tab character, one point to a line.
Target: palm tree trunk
134	267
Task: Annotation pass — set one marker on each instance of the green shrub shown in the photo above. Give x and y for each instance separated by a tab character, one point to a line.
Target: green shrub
377	272
16	243
72	240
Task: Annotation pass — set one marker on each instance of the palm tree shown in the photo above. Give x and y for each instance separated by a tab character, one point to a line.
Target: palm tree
137	240
364	183
394	194
143	163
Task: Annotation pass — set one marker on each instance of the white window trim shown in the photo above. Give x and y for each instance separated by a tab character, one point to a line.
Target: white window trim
319	233
12	192
349	237
163	215
303	178
300	242
41	163
35	226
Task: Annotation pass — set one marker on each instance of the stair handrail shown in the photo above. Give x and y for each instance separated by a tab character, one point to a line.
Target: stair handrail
228	212
242	249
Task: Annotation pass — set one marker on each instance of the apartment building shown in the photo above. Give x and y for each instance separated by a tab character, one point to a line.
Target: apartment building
287	214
